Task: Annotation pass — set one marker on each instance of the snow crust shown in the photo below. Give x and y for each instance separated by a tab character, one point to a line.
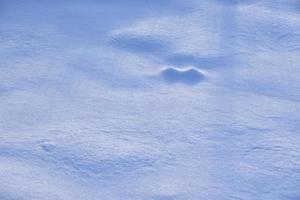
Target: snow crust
154	100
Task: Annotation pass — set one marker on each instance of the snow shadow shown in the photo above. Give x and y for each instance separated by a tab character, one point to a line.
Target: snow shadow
138	44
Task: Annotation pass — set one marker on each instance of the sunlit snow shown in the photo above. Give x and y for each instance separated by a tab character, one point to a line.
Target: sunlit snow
150	100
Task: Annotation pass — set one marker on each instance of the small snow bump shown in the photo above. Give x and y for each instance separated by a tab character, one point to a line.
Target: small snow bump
188	75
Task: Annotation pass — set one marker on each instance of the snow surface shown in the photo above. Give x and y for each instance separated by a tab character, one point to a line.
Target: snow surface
150	99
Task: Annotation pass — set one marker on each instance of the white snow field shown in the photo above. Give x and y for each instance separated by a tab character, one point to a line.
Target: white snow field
150	100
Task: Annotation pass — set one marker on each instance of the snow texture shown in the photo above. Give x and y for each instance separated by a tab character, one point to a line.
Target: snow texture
149	99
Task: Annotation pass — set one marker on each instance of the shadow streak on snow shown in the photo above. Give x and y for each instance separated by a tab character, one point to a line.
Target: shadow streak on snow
138	44
151	46
235	2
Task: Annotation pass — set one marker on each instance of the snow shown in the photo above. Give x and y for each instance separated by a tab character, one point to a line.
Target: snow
154	100
186	75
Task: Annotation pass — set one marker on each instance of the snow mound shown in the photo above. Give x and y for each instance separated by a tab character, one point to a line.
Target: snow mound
177	75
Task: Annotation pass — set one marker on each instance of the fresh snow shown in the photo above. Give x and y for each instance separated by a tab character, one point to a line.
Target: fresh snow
150	99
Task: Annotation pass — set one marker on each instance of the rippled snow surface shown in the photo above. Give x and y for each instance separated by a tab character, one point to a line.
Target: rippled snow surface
149	100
